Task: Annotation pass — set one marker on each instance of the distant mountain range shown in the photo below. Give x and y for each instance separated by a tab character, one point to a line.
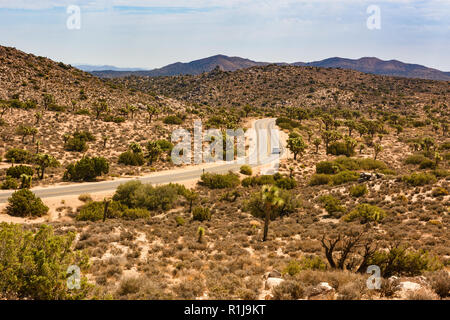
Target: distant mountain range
225	63
90	68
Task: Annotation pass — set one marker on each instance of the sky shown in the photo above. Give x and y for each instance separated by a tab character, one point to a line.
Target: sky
153	33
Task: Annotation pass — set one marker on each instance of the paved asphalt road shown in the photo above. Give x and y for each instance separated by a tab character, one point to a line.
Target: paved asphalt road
161	178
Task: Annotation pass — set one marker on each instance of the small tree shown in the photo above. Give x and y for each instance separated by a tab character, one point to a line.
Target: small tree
191	196
317	143
87	169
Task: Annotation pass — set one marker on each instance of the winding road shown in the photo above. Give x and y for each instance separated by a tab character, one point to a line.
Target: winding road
267	159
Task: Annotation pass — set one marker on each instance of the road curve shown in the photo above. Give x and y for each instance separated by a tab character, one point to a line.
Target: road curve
159	178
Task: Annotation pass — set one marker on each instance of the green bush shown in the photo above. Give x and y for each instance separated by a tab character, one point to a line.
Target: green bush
165	145
134	194
172	120
366	213
286	183
327	167
9	183
87	169
344	177
419	179
400	261
201	214
136	213
17	171
332	205
131	158
439	191
258	181
34	265
76	144
179	221
306	263
219	181
19	156
24	203
340	148
246	169
427	164
94	211
83	111
358	190
319	179
415	159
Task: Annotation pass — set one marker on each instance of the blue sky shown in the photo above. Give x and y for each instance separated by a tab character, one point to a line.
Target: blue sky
153	33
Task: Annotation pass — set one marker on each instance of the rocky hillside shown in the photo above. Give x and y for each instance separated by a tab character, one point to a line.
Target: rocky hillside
275	86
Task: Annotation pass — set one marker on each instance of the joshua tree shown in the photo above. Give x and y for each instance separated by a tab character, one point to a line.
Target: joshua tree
271	200
153	151
99	108
201	233
377	148
44	161
296	145
191	196
317	143
38	116
247	109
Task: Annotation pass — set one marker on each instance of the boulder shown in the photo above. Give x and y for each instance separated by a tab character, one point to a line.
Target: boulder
273	282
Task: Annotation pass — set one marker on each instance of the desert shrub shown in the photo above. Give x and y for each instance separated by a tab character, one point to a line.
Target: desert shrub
415	159
9	183
78	141
439	191
306	263
179	221
112	118
56	108
327	167
18	156
34	265
136	213
419	179
440	173
86	169
332	205
258	181
340	148
17	171
134	194
427	164
24	203
288	290
440	282
445	145
83	111
346	163
165	145
401	261
94	211
125	192
172	120
358	190
131	158
220	181
286	183
319	179
344	177
201	214
85	197
76	144
246	169
366	212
